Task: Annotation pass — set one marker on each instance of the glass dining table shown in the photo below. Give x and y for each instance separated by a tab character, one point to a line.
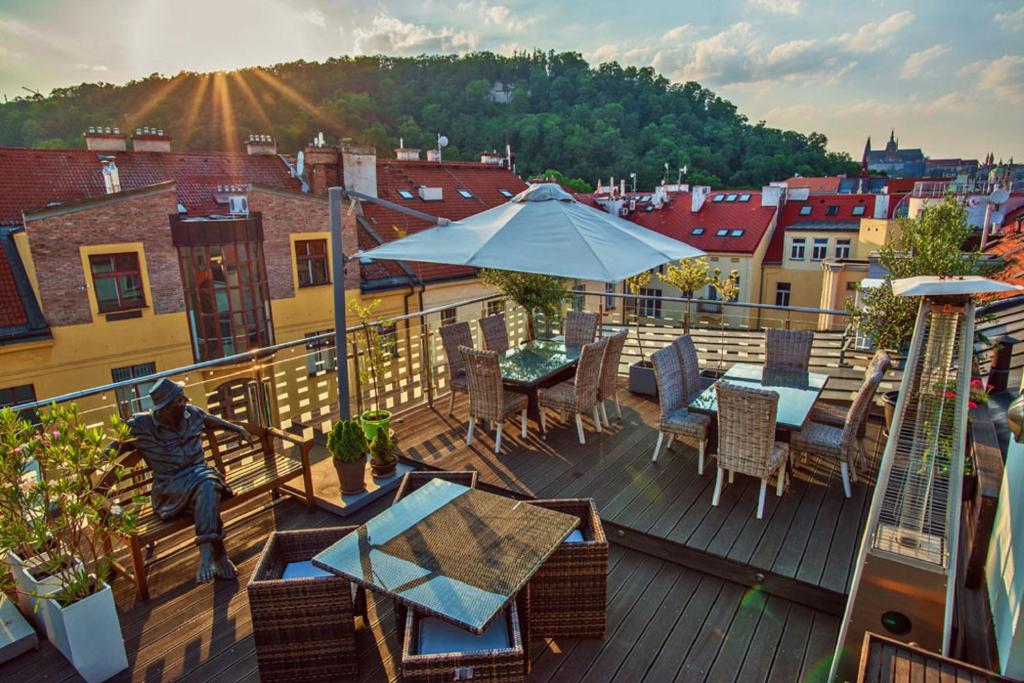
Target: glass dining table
536	364
797	390
449	551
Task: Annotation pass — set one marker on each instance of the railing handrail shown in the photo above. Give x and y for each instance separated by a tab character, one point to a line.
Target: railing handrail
717	302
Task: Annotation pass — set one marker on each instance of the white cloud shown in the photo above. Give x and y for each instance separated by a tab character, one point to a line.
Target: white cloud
1003	77
678	32
1011	20
875	35
498	16
915	62
389	35
720	58
99	68
315	17
778	6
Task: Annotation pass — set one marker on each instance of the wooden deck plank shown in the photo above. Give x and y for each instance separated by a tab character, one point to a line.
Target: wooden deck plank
789	655
713	633
679	643
820	646
740	632
762	651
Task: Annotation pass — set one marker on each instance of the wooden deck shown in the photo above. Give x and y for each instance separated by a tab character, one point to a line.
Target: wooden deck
666	622
804	546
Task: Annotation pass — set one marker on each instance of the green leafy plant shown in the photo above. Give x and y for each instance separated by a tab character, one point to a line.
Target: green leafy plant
346	441
543	294
688	276
728	287
929	245
635	285
378	350
52	507
382	448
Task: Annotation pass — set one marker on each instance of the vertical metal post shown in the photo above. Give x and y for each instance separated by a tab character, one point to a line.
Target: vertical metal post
427	364
335	195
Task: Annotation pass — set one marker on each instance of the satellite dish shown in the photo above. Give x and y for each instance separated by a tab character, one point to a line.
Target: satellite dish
999	196
442	140
300	164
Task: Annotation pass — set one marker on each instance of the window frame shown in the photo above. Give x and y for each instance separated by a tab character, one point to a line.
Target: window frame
650	301
449	316
782	295
819	243
745	197
609	301
494	307
832	210
127	396
17	395
731	197
697	232
736	232
321	354
846	244
507	194
465	194
806	210
859	210
722	232
800	242
115	275
405	194
304	263
718	198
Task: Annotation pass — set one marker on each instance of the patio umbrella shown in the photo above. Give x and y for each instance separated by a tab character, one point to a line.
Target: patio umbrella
542	230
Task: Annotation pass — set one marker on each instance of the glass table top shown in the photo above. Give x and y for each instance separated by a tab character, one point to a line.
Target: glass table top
450	551
536	360
797	391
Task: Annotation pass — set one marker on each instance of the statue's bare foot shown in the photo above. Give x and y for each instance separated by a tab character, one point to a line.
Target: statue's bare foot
225	569
207	566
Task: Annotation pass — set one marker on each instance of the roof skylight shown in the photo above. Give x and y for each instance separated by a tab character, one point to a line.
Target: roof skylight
405	194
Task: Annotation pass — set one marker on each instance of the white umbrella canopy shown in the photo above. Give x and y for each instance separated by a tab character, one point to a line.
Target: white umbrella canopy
542	230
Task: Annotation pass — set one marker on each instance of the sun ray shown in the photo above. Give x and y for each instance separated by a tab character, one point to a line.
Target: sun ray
136	118
293	96
224	111
189	122
239	79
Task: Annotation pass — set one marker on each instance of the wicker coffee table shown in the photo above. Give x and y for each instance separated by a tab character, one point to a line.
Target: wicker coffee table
446	550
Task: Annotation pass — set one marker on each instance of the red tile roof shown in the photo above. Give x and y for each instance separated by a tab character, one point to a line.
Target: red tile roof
33	178
791	216
676	220
826	184
12	312
483	181
1010	248
20	317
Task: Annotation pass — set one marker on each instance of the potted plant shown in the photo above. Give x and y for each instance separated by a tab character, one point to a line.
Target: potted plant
534	293
688	276
728	289
58	530
347	445
641	373
382	455
379	349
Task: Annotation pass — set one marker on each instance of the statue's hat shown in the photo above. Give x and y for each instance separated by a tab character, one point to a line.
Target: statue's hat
165	391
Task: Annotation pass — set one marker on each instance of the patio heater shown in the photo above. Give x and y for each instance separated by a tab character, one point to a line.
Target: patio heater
904	580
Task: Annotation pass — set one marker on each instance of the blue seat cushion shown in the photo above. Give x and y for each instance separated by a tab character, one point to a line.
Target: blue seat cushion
575	537
303	570
440	637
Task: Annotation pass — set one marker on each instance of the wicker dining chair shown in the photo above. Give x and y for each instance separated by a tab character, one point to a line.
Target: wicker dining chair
788	349
746	439
835	416
580	328
690	363
608	387
676	420
412	481
841	443
578	395
495	333
452	337
488	399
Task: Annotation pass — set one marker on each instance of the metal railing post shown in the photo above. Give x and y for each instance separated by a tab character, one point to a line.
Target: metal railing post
427	362
358	377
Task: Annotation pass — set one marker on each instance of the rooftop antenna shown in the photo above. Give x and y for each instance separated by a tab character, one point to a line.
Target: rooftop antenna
34	92
682	172
320	139
442	142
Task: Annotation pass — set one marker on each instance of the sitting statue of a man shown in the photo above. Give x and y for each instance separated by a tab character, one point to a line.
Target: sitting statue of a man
170	439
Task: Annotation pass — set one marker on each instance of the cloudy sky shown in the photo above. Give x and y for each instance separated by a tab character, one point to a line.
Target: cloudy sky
948	75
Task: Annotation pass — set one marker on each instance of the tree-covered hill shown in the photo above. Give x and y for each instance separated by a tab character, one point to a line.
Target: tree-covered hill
561	113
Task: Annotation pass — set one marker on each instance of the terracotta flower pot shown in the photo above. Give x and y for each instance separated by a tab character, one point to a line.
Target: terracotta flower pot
351	476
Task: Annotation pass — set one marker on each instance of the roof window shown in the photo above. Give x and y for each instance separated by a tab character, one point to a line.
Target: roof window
466	194
697	232
859	210
718	198
405	194
730	198
722	232
832	210
806	210
505	193
736	232
745	197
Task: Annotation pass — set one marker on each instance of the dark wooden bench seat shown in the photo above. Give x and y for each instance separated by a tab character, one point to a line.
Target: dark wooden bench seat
274	460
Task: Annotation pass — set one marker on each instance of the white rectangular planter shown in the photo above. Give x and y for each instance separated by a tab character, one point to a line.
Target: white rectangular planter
88	633
29	587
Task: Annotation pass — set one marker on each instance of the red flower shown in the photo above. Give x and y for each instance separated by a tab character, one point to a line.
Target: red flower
972	404
950	394
977	384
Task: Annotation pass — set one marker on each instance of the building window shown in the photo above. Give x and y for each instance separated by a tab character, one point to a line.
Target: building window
820	249
321	352
578	295
718	198
505	193
650	304
736	232
696	232
405	194
745	197
782	294
495	307
806	210
797	250
859	210
736	296
16	396
730	198
466	194
389	337
609	289
842	248
311	261
832	210
133	398
448	316
721	232
117	281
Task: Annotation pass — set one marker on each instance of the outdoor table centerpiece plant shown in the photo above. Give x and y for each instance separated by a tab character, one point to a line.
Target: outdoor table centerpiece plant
57	529
348	446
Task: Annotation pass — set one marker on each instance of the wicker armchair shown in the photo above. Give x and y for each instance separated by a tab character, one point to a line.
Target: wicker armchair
676	421
788	349
830	441
746	438
835	416
488	399
608	387
452	337
303	628
578	395
580	328
414	480
495	333
690	364
568	594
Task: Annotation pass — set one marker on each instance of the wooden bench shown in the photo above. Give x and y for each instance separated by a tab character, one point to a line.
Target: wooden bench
250	471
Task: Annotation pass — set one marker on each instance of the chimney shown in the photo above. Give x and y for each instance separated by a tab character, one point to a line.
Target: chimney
698	196
771	195
622	187
321	167
151	140
433	155
492	158
261	144
359	168
881	205
111	177
407	154
100	139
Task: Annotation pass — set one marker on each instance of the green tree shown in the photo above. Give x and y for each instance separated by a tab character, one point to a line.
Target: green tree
535	293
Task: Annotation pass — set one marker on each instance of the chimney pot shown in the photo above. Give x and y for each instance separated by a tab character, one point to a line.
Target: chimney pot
433	155
101	139
259	143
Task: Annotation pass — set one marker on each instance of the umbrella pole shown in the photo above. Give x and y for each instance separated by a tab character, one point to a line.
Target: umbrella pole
334	196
